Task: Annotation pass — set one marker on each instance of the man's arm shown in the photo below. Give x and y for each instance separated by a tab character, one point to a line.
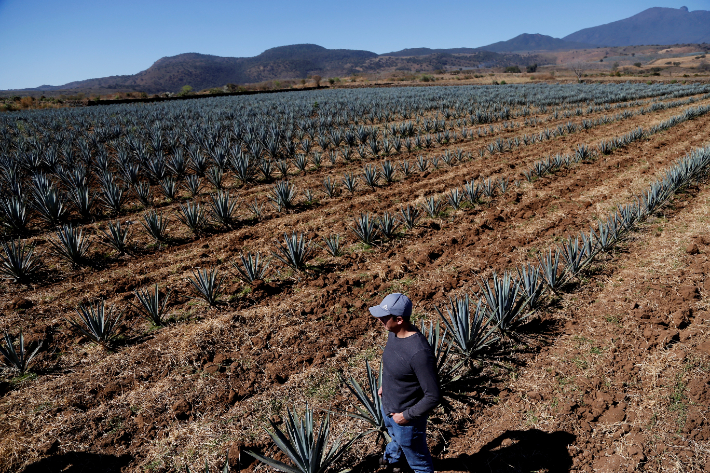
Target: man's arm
424	366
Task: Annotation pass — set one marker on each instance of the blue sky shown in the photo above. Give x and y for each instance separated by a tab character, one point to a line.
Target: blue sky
54	42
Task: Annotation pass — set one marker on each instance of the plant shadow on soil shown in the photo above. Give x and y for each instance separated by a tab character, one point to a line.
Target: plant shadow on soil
80	462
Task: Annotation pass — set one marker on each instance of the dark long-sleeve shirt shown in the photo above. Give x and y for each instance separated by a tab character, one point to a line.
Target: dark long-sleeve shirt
409	380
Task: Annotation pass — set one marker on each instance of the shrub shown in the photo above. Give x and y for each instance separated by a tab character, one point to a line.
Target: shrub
512	69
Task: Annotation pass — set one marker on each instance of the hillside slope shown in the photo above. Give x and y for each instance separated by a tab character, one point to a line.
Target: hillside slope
653	26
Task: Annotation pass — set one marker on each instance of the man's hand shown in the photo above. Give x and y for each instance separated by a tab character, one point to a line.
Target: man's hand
399	419
379	391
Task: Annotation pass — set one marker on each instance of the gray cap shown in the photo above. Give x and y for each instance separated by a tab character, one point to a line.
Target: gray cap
395	304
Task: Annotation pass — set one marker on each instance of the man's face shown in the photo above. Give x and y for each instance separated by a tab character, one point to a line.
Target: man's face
391	322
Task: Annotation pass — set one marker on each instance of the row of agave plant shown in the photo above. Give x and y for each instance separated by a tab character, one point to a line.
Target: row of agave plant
19	263
471	329
207	153
48	200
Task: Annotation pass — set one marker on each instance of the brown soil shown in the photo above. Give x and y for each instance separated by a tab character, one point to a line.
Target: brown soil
612	375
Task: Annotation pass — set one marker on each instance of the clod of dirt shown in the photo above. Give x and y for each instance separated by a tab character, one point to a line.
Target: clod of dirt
680	318
182	409
49	448
610	464
20	303
692	249
688	292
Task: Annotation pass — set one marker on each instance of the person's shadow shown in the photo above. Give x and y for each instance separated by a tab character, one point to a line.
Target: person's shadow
79	462
516	451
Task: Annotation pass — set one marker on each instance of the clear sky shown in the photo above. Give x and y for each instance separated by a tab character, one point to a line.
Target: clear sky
58	41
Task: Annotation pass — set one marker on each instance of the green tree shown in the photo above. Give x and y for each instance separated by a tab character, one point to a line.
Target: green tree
186	90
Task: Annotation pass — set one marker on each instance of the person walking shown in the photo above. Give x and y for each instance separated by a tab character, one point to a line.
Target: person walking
410	387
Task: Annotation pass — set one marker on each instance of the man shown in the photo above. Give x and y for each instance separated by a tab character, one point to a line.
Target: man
410	387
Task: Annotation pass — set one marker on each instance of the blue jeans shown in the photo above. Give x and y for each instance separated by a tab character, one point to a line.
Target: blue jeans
410	440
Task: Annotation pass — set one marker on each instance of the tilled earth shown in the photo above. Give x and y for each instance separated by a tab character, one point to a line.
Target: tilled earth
611	375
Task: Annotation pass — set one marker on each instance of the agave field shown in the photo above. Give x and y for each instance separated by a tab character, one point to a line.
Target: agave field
185	285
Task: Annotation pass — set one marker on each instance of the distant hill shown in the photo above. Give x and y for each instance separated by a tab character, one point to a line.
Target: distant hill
653	26
415	52
534	42
203	71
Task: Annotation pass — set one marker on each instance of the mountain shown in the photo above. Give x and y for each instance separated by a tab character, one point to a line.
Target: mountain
203	71
653	26
534	42
415	52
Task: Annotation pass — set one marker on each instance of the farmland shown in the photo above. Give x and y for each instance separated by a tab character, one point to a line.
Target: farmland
592	198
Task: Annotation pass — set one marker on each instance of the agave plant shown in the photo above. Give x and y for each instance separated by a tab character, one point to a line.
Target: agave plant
207	284
169	187
48	204
370	176
295	251
222	209
532	285
432	206
455	198
282	195
97	323
193	184
70	245
329	187
251	269
388	224
17	360
503	306
369	409
18	262
448	369
550	268
14	214
145	196
156	225
332	244
388	170
151	307
471	332
116	237
365	229
306	445
192	216
410	215
83	200
350	182
255	208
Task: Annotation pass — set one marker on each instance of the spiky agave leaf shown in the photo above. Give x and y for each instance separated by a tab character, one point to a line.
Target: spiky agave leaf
369	408
156	225
192	216
252	267
295	251
304	444
207	284
116	237
365	229
16	360
18	261
503	306
332	244
151	306
410	215
96	323
70	245
471	331
222	208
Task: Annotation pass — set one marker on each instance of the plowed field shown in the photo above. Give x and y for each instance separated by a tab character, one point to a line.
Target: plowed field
612	373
